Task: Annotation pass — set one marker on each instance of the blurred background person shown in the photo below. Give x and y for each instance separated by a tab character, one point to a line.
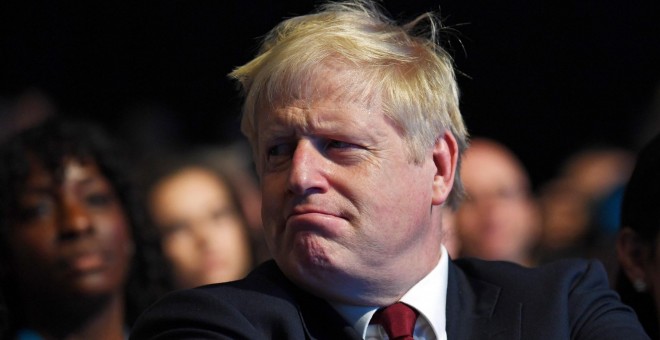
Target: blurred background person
498	218
195	208
235	161
638	241
73	262
581	206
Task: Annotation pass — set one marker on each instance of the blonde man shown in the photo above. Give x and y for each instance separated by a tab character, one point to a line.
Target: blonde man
356	133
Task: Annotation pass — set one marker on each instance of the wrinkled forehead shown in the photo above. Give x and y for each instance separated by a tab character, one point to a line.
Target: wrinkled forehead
331	80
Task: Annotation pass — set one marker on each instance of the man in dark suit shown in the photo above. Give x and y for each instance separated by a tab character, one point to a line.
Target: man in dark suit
357	135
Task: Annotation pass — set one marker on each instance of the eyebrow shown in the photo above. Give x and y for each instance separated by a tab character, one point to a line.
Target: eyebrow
93	181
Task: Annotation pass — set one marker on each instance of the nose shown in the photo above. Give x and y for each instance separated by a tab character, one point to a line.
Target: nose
202	233
75	221
485	205
308	169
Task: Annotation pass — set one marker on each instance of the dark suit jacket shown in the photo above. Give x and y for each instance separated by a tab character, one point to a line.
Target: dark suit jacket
485	300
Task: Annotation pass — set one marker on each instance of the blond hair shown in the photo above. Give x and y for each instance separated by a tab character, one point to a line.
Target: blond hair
411	73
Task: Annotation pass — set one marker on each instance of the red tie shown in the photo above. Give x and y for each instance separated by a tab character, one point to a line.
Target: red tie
398	320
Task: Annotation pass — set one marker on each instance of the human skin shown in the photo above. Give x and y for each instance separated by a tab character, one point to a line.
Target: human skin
498	219
202	234
74	235
71	249
343	204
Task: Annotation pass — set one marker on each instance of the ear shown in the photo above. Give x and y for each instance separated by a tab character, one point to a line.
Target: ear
445	159
632	254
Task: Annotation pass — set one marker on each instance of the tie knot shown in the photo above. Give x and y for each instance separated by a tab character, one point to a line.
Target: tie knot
398	320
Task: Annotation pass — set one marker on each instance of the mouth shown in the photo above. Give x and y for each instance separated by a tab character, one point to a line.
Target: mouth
312	211
84	262
317	221
87	262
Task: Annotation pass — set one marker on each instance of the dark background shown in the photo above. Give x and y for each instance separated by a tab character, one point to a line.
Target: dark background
545	77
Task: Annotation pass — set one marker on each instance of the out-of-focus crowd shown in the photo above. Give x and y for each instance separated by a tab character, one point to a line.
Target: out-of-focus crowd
94	229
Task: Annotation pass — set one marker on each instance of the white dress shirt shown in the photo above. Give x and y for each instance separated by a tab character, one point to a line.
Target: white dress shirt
428	297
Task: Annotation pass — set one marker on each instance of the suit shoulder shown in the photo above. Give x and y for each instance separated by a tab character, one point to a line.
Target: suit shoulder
572	293
507	273
241	305
264	285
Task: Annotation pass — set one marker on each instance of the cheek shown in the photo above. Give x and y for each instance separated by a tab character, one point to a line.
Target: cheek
33	245
239	241
178	249
272	205
466	218
121	231
272	194
116	231
407	186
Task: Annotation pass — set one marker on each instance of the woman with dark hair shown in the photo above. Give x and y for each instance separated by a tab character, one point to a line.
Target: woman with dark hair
73	261
194	205
638	241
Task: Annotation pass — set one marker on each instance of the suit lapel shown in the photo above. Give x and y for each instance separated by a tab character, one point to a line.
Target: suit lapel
318	319
475	310
321	321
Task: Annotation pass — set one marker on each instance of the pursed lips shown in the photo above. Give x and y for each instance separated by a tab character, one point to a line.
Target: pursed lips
297	211
314	218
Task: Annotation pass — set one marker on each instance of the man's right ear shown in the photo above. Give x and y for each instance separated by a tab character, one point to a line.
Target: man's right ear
632	255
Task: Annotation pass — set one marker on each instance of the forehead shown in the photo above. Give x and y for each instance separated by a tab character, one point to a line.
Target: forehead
332	80
188	192
70	169
488	165
196	179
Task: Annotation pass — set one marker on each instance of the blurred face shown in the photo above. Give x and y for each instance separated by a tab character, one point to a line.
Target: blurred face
71	238
497	220
565	213
202	234
343	207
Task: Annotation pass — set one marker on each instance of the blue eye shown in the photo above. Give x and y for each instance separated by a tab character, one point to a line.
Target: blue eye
336	144
280	150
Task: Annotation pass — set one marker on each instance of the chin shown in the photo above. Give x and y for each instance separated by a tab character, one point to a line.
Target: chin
304	266
95	290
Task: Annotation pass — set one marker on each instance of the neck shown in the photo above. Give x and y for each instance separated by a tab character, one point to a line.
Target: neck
92	318
382	291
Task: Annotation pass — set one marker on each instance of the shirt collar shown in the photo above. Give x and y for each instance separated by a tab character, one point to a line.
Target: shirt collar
428	296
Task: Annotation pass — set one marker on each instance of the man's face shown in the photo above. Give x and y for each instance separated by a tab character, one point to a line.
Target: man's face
343	206
498	220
